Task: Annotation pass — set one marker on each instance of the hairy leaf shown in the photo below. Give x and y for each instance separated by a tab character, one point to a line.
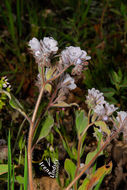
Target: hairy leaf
81	121
14	103
3	168
70	168
46	127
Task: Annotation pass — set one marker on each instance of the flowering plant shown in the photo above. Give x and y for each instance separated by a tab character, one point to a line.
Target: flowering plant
52	79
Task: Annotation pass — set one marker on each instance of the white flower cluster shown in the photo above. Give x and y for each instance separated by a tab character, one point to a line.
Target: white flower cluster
69	82
95	101
43	48
75	56
121	116
122	123
94	98
104	110
71	55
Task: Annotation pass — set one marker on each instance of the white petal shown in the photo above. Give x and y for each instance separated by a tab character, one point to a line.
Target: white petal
34	44
88	57
72	86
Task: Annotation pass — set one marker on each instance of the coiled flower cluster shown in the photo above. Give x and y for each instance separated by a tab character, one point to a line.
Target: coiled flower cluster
95	101
44	49
122	123
104	111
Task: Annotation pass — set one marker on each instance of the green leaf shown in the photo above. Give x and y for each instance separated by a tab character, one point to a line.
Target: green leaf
103	127
46	127
20	179
115	11
70	168
14	103
112	100
81	121
3	168
109	92
90	156
48	87
13	178
98	135
74	152
51	72
9	161
84	184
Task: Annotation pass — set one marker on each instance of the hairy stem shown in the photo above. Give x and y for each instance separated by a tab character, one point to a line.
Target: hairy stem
56	76
43	113
78	160
30	138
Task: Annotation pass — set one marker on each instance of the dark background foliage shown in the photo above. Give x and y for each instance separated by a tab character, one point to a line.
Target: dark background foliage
99	27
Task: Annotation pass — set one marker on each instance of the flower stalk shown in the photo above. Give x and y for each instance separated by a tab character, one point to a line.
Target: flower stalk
30	138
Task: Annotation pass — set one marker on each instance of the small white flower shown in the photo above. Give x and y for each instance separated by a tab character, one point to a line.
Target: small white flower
104	110
49	45
99	110
51	148
84	56
94	98
5	85
36	49
82	165
9	86
65	57
121	116
69	82
122	121
74	55
43	49
110	108
35	45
